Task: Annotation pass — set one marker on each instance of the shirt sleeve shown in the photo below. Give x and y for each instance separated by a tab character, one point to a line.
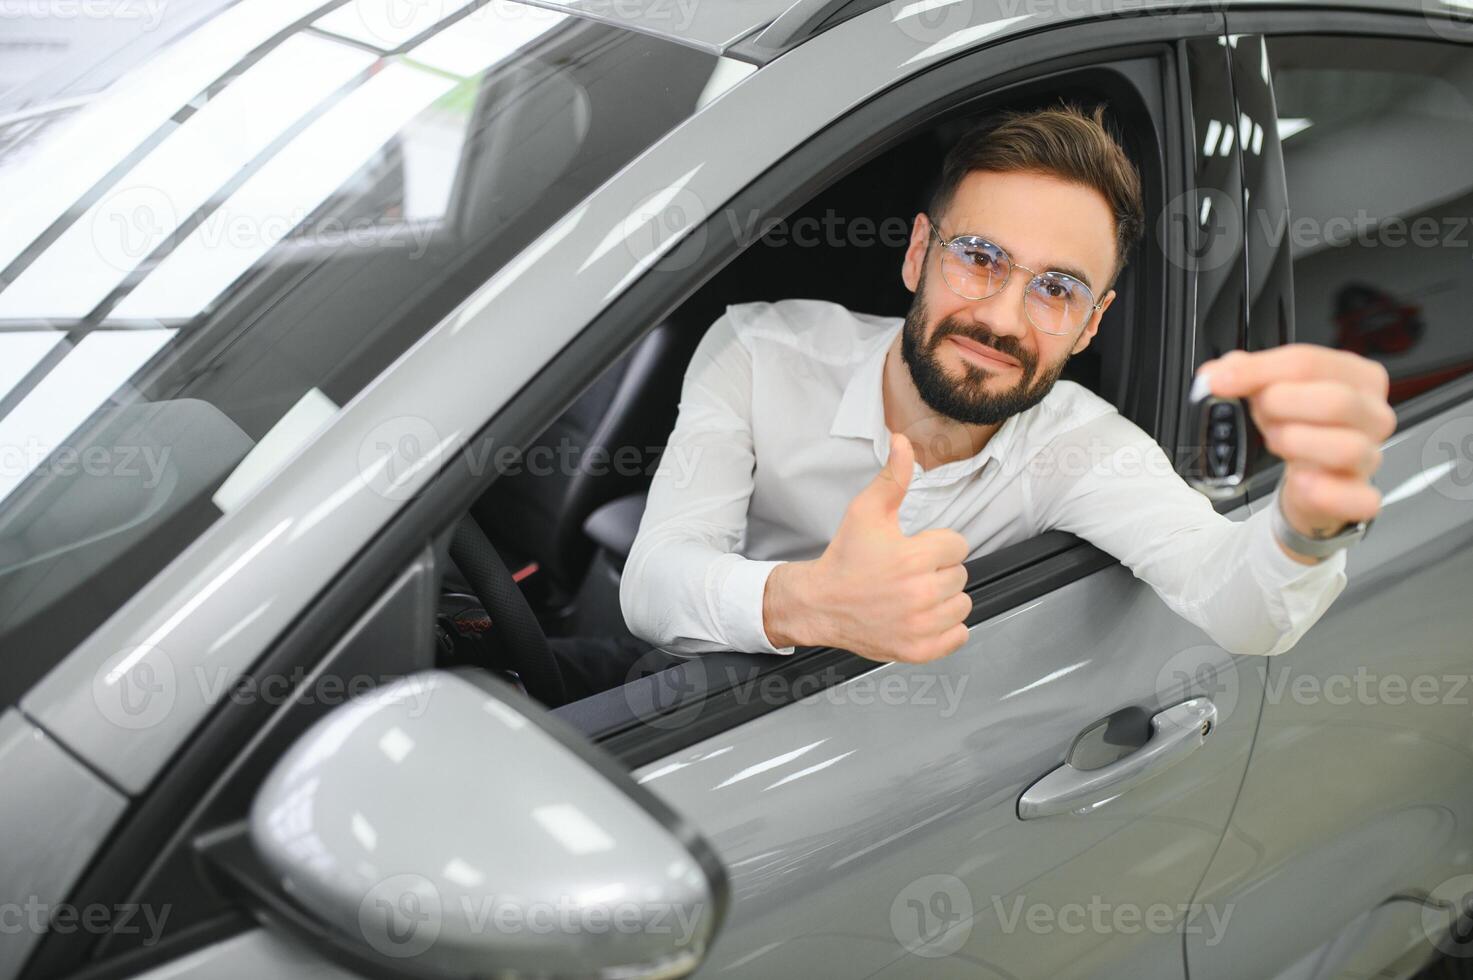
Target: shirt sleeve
1110	483
685	587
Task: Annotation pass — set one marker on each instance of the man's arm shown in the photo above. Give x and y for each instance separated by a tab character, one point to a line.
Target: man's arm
1110	483
684	587
1323	411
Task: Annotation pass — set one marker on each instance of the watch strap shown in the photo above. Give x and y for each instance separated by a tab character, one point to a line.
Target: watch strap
1315	547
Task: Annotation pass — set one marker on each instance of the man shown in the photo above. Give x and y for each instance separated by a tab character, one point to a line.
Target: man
844	466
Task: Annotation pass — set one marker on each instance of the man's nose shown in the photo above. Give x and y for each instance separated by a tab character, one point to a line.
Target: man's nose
1003	311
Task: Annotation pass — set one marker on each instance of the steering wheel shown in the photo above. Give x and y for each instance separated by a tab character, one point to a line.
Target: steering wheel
511	616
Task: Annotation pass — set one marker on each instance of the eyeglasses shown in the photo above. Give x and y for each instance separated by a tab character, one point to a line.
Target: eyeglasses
974	268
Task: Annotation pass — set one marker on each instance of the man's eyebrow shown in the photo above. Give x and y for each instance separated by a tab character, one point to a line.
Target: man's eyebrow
1064	267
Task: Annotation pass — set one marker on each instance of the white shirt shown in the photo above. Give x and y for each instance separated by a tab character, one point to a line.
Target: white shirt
782	422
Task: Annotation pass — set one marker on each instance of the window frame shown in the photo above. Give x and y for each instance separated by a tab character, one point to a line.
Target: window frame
1360	24
1009	576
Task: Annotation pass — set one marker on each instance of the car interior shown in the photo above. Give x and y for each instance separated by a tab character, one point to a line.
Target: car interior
564	532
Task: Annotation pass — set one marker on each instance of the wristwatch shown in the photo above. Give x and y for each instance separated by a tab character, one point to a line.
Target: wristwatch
1319	547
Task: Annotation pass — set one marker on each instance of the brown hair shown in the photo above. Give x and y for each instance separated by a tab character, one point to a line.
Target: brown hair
1063	142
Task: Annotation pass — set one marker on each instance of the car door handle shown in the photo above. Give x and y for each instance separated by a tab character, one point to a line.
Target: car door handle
1176	732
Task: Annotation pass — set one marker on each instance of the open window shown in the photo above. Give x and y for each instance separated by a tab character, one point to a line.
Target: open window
565	517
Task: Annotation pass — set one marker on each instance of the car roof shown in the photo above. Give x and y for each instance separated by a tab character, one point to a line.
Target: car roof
760	30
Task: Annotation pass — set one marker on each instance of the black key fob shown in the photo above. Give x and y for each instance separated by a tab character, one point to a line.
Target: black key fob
1220	426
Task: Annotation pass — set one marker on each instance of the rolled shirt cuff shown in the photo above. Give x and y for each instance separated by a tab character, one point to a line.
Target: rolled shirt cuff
741	607
1297	594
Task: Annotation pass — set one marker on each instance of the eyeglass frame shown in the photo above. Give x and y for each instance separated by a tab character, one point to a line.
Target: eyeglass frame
946	246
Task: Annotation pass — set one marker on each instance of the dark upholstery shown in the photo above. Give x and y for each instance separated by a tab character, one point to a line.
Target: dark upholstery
537	514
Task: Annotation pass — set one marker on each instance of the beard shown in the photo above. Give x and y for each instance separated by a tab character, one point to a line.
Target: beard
967	399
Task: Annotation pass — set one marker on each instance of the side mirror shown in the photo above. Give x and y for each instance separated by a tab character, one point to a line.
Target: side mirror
437	828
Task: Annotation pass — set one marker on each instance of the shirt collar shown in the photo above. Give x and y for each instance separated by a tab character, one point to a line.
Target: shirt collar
861	414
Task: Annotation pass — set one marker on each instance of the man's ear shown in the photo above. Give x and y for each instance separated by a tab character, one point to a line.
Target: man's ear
1094	324
915	252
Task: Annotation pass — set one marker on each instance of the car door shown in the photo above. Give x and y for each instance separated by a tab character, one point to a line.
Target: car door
1370	857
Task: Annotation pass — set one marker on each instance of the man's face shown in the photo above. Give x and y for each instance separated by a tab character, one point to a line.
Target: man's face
1042	222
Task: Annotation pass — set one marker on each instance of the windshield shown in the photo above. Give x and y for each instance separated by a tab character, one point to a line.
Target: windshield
204	259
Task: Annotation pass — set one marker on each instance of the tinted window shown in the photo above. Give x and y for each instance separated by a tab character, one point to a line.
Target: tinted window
219	249
1377	135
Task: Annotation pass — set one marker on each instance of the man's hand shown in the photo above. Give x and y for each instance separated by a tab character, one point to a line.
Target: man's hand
875	591
1325	413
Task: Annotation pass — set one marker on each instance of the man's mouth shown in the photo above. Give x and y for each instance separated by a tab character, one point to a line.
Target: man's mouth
982	354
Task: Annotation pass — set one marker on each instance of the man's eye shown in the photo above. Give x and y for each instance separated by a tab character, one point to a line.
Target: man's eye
980	259
1060	289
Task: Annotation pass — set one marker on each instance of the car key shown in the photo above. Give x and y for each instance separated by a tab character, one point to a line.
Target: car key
1221	426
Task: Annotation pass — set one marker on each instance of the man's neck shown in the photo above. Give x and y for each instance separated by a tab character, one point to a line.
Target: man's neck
937	439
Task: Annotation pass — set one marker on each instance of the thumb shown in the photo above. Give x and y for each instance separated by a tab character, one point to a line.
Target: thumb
887	490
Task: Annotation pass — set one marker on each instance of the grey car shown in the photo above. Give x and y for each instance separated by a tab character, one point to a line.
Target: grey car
341	340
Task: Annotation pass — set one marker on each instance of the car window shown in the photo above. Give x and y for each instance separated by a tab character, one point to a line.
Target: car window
212	255
1376	134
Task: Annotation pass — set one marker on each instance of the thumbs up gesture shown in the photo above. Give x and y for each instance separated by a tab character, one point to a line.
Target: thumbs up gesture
875	590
